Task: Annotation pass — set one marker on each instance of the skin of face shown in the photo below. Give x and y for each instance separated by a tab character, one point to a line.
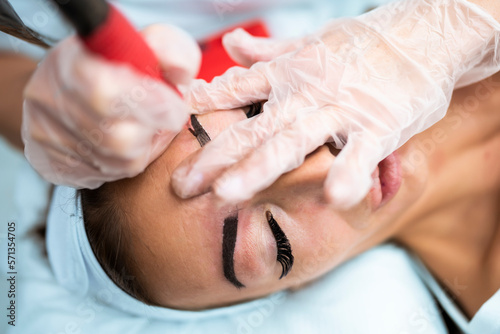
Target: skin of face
177	244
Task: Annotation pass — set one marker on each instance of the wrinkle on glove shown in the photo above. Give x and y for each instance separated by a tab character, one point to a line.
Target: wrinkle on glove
368	84
87	121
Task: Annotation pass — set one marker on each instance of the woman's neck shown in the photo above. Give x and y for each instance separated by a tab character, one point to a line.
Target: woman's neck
460	244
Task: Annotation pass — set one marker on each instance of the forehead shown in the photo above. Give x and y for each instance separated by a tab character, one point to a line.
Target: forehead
176	243
180	148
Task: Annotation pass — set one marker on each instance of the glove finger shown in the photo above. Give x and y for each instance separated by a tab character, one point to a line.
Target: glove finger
117	91
280	154
61	168
178	53
89	148
114	136
66	169
246	49
349	179
237	87
55	157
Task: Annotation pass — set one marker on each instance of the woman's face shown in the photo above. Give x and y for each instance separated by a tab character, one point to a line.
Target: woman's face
195	254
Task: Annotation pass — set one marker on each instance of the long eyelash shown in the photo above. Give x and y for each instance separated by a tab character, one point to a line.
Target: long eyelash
284	257
254	109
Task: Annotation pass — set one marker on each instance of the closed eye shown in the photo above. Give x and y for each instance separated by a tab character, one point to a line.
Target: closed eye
284	249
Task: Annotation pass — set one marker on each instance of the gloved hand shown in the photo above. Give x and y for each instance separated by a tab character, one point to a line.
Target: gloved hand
367	83
87	121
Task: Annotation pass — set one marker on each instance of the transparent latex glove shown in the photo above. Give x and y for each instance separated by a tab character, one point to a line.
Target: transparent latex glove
367	84
87	121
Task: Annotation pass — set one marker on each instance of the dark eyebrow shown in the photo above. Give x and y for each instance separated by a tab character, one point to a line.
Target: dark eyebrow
198	131
230	230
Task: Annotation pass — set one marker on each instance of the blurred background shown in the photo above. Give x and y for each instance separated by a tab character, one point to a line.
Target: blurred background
12	162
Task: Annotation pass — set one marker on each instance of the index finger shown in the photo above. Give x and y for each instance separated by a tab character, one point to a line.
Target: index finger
237	87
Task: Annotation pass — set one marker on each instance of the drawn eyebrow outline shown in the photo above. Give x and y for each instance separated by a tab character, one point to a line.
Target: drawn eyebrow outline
229	233
198	131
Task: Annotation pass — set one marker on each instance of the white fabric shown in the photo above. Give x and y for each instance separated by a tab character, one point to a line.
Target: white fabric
485	321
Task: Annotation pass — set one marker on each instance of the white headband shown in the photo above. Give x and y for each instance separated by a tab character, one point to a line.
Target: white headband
77	269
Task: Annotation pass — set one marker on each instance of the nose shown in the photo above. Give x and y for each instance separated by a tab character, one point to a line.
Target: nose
304	182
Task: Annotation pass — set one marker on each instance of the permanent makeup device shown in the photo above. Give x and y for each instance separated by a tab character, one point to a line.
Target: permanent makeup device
106	32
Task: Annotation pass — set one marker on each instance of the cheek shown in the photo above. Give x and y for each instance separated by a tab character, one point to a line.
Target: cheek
319	243
412	196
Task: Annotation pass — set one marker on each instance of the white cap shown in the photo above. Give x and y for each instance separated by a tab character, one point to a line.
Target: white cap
77	269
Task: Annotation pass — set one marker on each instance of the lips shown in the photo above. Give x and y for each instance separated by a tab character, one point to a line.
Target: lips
386	178
386	181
